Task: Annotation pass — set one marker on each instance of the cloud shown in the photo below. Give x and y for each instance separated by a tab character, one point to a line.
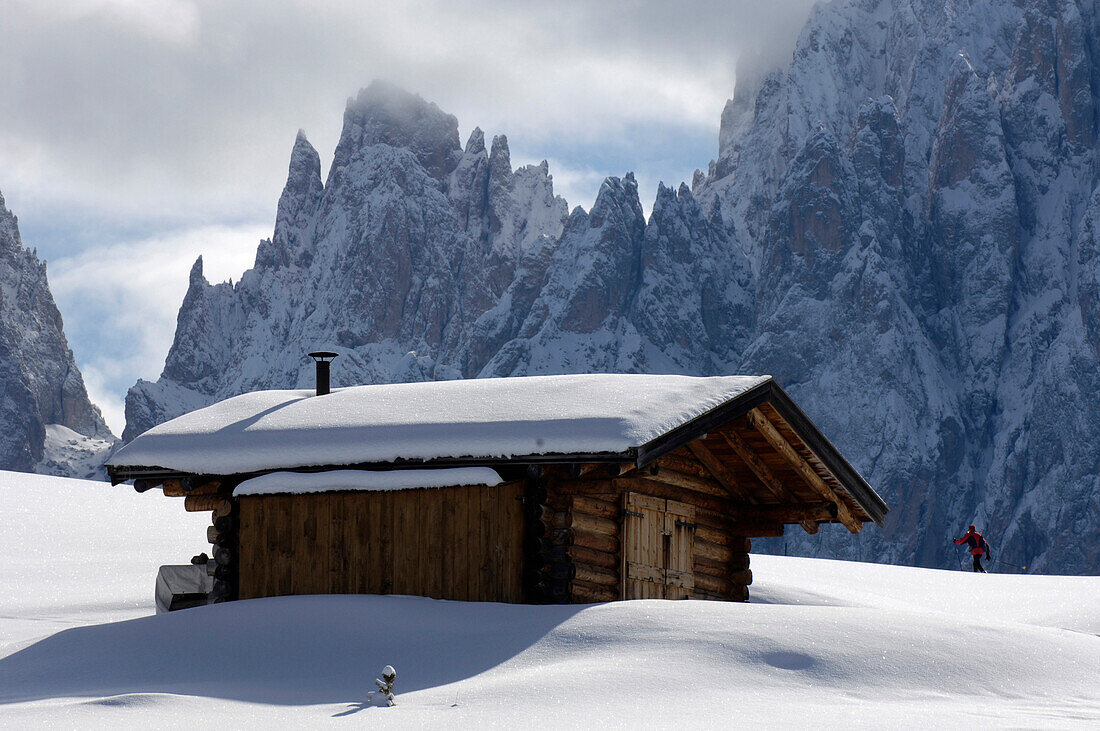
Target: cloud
136	134
181	109
120	302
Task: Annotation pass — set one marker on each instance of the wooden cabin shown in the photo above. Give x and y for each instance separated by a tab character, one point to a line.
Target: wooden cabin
550	489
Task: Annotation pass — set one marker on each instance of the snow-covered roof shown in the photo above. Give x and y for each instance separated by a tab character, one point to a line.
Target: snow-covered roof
299	483
491	418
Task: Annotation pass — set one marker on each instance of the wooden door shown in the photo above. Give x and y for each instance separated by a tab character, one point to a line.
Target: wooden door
679	535
657	548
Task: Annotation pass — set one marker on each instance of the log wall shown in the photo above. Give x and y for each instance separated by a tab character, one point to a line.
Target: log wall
463	543
590	507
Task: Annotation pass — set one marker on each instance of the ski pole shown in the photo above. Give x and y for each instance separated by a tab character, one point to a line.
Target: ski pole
1006	563
962	559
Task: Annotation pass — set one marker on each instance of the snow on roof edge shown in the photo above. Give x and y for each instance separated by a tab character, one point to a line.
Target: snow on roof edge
300	483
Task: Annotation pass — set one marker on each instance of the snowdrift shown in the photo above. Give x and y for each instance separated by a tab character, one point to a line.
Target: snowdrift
824	643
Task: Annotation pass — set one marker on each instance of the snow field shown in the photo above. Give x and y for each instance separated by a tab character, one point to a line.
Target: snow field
823	644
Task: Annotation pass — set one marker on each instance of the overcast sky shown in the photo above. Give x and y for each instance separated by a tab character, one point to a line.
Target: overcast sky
137	134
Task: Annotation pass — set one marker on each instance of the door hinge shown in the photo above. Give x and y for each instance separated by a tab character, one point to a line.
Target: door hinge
685	524
631	512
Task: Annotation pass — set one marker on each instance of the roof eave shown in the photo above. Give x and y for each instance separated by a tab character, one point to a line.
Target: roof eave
770	392
122	473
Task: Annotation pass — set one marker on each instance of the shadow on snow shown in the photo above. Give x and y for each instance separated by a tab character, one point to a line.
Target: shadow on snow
285	650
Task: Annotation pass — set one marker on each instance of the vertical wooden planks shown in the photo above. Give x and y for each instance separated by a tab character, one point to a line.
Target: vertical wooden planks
512	495
404	534
679	525
461	546
431	505
459	543
369	533
281	530
247	562
386	520
447	589
355	528
475	544
657	548
494	531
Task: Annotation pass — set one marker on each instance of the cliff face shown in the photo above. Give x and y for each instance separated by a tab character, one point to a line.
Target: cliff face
924	262
901	226
40	384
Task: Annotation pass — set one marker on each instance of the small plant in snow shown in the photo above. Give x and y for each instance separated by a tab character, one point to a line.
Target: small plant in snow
385	684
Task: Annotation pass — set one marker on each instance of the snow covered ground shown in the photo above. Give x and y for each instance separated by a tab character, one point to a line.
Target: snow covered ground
823	643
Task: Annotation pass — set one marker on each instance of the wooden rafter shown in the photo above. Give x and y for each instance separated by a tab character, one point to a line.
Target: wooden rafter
757	465
764	474
682	463
719	471
611	469
767	430
689	482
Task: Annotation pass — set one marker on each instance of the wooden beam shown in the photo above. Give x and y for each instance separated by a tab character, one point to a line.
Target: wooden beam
595	541
810	526
589	593
175	488
199	503
720	472
609	469
758	530
757	465
592	524
592	557
597	575
689	482
761	423
791	512
683	464
649	485
172	488
595	507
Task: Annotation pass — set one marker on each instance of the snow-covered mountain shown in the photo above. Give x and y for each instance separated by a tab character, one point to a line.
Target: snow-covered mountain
903	226
916	193
47	423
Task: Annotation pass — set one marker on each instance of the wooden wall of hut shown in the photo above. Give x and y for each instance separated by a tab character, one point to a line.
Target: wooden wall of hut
463	543
602	548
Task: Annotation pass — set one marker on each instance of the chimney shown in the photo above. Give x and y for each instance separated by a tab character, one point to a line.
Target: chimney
322	358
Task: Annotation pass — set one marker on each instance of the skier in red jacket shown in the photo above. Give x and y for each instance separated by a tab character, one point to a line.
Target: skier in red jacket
978	547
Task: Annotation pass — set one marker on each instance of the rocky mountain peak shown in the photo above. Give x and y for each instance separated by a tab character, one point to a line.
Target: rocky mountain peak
475	145
387	115
40	384
298	205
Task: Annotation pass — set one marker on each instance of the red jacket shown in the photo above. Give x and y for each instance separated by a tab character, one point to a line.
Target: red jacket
978	546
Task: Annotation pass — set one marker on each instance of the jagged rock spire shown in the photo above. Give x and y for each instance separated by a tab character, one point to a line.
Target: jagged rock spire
40	383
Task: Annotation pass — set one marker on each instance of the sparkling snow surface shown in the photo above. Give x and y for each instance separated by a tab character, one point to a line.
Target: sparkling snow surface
490	417
824	644
296	483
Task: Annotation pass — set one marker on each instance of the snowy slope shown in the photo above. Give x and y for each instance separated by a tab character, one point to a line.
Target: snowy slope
823	643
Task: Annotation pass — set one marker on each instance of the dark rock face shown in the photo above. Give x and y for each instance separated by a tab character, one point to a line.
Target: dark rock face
941	239
40	384
901	226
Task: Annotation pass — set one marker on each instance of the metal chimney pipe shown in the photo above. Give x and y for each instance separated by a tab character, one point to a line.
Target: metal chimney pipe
322	358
